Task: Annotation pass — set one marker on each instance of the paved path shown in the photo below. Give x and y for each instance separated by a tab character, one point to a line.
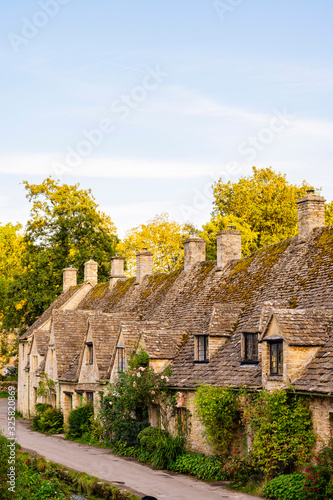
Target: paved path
124	473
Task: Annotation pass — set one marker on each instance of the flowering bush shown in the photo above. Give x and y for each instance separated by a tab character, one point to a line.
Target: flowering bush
318	475
124	410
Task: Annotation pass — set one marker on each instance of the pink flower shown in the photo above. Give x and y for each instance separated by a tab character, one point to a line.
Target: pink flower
138	375
162	377
153	392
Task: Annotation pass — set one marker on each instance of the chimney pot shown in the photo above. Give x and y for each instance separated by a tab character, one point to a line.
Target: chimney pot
310	212
144	265
229	246
91	272
195	251
69	278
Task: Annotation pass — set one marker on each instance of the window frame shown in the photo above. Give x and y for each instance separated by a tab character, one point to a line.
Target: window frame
121	360
90	397
253	358
279	362
90	353
202	355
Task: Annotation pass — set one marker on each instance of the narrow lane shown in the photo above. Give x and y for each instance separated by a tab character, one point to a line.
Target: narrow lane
100	463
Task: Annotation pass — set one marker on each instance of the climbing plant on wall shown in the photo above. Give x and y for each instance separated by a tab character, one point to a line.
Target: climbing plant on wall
218	410
283	431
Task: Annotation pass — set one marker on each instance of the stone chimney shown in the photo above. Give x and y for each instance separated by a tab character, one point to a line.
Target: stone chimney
311	213
91	272
144	264
117	269
195	251
229	246
69	278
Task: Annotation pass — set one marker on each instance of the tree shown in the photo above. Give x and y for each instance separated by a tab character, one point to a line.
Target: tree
264	203
217	223
65	228
163	237
11	251
329	213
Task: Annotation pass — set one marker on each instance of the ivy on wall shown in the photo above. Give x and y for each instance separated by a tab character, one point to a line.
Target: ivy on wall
218	410
283	431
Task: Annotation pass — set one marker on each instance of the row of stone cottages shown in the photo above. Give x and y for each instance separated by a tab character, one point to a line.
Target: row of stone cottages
264	321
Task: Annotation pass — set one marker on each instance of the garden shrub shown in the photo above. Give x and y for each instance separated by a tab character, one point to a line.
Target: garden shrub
79	421
286	487
126	429
241	470
48	420
218	410
283	432
124	410
168	449
201	466
149	437
318	475
160	448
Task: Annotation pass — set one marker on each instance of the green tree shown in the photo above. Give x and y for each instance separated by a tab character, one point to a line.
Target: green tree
264	203
164	237
65	228
11	251
329	214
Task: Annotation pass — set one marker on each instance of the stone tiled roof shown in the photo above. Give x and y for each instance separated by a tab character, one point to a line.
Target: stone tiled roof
70	328
105	330
42	339
303	327
317	376
163	344
59	301
279	275
224	319
292	275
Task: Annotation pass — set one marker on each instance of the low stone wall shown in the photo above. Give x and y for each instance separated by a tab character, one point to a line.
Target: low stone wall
8	383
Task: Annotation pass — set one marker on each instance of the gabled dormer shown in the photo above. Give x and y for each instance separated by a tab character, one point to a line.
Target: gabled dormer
126	345
51	358
223	323
89	368
290	341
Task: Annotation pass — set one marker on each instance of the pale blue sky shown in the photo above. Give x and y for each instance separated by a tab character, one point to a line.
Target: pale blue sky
215	87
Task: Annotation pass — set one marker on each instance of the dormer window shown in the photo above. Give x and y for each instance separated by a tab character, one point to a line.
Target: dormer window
121	359
202	355
250	348
34	362
90	353
276	357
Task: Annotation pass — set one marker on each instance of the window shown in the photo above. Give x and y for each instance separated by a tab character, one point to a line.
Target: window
34	362
90	398
202	348
276	358
181	420
121	359
250	348
90	354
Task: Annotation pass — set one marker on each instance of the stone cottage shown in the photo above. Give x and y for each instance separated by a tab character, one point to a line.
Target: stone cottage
264	321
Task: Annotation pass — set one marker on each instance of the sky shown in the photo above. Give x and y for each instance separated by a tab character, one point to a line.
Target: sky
148	103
